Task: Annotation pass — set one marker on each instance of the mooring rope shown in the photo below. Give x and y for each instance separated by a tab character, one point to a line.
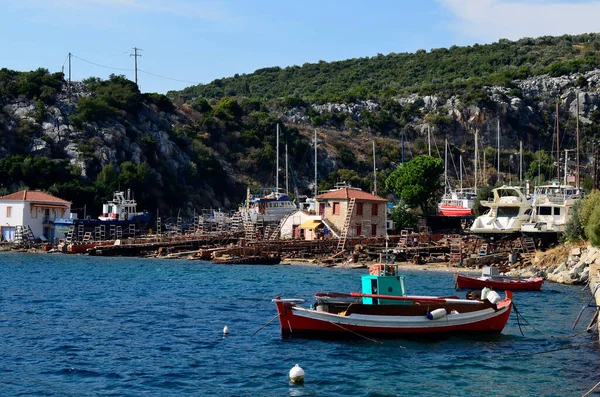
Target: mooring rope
540	331
357	334
267	323
543	352
591	390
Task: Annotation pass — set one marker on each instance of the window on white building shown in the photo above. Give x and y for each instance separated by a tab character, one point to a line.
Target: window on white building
9	212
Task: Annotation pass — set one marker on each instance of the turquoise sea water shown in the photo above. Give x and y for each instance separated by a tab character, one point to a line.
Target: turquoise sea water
86	326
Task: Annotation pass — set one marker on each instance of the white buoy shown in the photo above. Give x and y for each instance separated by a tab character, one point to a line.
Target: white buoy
297	374
225	330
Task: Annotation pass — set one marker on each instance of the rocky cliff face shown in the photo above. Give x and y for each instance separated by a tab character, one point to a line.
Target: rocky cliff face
525	113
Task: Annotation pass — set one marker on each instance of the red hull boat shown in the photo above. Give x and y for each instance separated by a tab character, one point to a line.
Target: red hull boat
411	315
500	283
454	210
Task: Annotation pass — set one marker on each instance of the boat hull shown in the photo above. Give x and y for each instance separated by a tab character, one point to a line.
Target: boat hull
392	320
530	284
456	211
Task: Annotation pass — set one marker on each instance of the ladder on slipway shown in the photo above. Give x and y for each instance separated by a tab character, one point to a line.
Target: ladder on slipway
275	234
347	221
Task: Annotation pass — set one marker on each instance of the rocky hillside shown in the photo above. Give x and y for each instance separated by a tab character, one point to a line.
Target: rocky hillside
187	151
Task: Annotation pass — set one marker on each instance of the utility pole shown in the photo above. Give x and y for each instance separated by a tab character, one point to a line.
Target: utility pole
69	86
135	56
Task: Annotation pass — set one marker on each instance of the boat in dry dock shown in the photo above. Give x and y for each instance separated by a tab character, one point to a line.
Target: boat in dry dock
382	308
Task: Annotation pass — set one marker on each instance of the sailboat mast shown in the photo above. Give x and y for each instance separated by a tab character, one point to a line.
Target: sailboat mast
460	168
498	151
277	168
476	154
374	171
315	162
429	140
287	185
520	161
566	161
577	121
446	166
557	147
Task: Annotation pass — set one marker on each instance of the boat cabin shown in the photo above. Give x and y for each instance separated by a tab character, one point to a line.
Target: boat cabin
383	280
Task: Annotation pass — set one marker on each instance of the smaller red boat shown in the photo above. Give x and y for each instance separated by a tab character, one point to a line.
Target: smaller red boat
382	308
500	283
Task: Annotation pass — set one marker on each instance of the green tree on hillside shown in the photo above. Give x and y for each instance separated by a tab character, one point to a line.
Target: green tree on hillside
417	183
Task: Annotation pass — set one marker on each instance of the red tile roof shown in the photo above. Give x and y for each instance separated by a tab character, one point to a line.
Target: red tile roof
346	194
33	196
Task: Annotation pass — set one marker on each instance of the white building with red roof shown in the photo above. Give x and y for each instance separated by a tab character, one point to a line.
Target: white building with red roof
362	213
34	209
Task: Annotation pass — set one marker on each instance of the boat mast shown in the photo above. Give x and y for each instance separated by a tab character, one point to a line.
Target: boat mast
287	185
374	171
277	168
429	140
315	162
498	152
557	147
445	166
566	160
577	121
520	162
476	154
460	169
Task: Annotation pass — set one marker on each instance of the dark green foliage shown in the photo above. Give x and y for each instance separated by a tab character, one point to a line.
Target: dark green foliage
404	218
109	99
417	183
573	228
483	194
592	230
33	172
457	70
161	101
38	84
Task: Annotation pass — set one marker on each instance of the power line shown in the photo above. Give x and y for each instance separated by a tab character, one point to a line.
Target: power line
137	70
168	78
102	66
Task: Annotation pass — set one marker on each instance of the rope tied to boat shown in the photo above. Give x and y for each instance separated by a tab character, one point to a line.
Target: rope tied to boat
357	334
267	323
518	314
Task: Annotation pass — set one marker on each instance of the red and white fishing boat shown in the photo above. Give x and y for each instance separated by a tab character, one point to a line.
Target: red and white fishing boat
393	314
458	203
500	283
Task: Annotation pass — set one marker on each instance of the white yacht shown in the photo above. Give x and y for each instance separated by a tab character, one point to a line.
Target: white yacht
507	212
268	206
551	209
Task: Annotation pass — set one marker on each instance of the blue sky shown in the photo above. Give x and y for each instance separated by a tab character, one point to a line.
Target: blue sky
186	42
